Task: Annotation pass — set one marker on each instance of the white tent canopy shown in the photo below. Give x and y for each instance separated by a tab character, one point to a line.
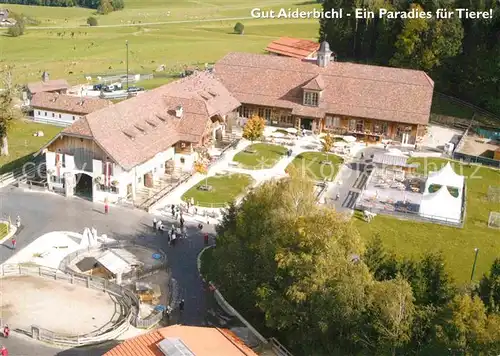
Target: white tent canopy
113	263
446	176
441	205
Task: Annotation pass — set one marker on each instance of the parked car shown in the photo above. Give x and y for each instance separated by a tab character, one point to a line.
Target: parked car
97	87
108	88
134	89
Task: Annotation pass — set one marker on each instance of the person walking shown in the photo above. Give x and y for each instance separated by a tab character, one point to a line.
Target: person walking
173	210
205	238
106	206
6	331
18	221
3	351
173	238
14	242
181	305
155	222
182	222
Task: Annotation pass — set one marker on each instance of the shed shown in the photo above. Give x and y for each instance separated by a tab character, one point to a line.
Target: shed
113	263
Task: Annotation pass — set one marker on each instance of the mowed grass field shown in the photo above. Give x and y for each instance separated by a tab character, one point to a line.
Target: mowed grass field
408	238
77	50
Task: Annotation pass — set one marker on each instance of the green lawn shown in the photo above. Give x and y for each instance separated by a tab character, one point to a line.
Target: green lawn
73	53
260	156
408	238
225	189
312	164
3	230
22	143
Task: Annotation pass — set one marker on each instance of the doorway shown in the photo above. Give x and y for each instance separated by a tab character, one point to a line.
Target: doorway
83	187
306	123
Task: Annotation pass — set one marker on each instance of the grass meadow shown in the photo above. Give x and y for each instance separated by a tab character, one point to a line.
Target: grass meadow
77	50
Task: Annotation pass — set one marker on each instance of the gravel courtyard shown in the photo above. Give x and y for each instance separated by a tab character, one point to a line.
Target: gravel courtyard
54	305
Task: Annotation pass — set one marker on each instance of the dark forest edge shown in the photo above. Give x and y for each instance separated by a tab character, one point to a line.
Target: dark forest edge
103	6
459	54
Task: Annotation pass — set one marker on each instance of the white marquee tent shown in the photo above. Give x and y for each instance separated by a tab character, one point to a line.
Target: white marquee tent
441	205
446	176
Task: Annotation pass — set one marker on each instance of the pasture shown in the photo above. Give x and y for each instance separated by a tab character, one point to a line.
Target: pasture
66	47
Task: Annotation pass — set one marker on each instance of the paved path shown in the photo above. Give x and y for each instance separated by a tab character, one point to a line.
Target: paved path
138	24
45	212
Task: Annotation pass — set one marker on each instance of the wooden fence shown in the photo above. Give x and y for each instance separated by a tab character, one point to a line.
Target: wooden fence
127	300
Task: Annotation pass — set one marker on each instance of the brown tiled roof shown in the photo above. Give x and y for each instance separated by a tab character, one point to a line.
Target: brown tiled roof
316	83
67	103
49	85
356	90
293	47
135	130
80	128
200	341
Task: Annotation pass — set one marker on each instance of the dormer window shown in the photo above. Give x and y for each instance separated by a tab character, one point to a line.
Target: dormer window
311	98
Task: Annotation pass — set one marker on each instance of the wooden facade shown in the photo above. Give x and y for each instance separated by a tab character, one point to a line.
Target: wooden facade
368	130
83	150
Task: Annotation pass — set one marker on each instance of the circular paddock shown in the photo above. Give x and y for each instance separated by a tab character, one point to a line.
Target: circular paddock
57	306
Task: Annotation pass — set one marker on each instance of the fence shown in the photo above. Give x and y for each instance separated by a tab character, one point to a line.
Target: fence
136	320
128	301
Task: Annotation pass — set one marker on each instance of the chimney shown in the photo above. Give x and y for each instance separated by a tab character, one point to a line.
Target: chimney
178	111
45	77
324	54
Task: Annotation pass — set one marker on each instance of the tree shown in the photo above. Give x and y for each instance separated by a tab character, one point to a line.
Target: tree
19	27
383	265
392	313
296	268
467	328
105	7
201	167
327	145
8	111
239	28
254	128
489	288
92	21
117	4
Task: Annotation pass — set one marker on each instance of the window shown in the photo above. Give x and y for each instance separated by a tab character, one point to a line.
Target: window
286	119
331	122
311	98
59	115
183	160
45	113
139	180
38	112
360	125
352	125
244	111
53	115
73	118
265	113
154	170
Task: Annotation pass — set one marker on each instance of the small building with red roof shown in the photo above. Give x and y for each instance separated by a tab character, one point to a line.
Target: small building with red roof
293	47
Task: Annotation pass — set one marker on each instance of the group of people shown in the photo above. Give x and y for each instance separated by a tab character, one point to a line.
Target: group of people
6	333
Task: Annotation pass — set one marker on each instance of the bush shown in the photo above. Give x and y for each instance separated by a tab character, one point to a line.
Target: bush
18	29
239	28
92	21
117	4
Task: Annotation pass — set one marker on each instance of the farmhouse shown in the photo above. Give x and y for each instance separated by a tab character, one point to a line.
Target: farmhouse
59	86
63	110
114	152
369	102
293	47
